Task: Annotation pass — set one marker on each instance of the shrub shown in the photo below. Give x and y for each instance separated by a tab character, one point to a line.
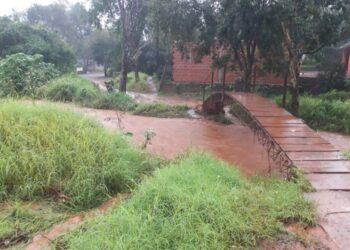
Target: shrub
198	203
324	112
334	95
162	110
71	88
22	74
117	101
132	85
74	88
46	151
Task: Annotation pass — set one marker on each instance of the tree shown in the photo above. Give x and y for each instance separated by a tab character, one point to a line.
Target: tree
332	70
72	25
128	16
16	37
241	29
307	26
105	48
22	74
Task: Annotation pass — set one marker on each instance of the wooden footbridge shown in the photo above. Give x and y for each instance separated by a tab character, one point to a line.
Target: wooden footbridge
290	142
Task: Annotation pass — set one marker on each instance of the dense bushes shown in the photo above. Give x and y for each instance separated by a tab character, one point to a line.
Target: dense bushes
197	203
73	88
22	74
48	152
326	112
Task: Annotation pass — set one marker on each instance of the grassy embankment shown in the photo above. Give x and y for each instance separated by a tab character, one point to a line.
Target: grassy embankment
329	112
197	202
71	164
60	161
132	85
73	88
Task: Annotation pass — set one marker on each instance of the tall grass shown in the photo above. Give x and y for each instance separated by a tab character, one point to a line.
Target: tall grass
326	112
197	203
162	110
74	88
46	151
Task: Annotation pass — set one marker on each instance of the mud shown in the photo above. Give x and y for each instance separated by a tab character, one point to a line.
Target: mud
44	241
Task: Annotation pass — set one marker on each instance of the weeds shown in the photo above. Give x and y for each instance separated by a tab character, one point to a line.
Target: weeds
19	221
324	113
47	152
197	203
162	110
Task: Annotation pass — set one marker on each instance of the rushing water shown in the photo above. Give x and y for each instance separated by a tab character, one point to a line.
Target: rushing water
234	143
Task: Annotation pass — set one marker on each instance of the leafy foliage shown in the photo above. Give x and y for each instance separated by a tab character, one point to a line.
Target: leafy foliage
161	110
16	37
73	88
46	151
333	72
198	203
22	74
326	112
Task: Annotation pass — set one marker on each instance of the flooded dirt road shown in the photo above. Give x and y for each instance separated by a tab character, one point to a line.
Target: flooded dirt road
234	143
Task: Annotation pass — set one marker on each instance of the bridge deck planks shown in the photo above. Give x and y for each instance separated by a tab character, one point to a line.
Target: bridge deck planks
325	167
304	146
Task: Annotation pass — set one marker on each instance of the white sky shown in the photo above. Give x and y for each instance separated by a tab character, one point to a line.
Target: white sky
7	6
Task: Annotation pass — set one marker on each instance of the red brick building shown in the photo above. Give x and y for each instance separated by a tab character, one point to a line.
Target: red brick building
186	70
346	57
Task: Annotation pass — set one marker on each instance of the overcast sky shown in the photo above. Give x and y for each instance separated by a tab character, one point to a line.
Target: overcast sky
6	6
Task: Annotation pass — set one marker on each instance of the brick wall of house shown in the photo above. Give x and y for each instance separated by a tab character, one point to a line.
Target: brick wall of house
186	70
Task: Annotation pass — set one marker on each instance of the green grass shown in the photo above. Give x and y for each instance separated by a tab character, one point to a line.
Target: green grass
45	150
324	112
74	88
140	86
23	220
162	110
197	203
335	95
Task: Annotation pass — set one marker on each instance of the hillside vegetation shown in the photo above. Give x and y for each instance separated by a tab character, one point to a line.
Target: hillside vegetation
197	203
49	152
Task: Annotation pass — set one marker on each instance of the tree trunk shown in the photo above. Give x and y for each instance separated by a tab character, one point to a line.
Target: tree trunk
105	70
247	80
285	88
124	70
294	68
124	64
212	79
295	71
223	87
162	79
137	76
157	47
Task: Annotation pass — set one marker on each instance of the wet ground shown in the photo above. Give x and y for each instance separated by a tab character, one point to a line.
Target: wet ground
339	141
98	79
233	143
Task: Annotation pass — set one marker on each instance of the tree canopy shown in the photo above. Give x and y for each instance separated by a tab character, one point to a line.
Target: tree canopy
17	37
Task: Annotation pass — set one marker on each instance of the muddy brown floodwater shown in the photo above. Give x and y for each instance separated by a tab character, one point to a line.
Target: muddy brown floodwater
234	143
